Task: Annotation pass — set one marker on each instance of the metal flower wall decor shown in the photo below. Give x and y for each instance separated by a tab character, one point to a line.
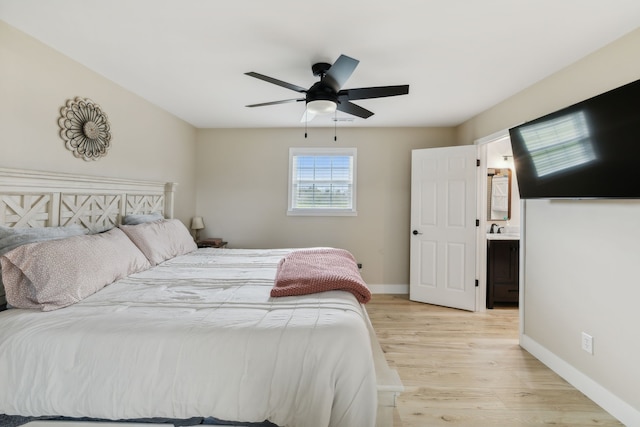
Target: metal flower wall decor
84	127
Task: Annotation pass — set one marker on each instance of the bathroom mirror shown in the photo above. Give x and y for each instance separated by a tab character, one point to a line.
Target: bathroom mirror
498	194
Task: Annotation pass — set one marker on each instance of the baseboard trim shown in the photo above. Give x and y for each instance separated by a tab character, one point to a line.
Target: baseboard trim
389	289
611	403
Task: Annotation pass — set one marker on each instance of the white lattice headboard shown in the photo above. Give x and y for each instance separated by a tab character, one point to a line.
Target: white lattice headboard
46	199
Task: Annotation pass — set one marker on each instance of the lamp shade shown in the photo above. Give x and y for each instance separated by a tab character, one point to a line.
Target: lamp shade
197	223
321	106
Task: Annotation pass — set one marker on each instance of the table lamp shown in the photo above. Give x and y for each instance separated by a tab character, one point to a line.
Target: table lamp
197	224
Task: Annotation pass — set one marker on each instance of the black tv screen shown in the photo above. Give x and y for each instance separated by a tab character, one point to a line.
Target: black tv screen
588	150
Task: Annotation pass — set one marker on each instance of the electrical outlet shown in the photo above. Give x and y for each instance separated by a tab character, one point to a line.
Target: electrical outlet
587	343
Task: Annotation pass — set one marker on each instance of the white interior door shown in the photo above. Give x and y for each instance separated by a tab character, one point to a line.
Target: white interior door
443	221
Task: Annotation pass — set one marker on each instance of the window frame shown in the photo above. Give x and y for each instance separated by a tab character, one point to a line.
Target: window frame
322	151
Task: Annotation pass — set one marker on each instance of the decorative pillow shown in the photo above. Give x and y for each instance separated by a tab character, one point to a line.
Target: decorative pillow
56	273
142	218
161	240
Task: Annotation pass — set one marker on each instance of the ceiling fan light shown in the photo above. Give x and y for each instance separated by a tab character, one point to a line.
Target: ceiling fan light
321	106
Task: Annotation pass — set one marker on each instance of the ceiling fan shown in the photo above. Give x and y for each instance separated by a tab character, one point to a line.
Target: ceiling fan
326	96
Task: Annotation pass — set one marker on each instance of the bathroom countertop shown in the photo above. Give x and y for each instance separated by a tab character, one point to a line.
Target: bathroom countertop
503	236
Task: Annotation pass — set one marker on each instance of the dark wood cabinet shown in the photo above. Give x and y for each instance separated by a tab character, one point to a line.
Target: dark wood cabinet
502	271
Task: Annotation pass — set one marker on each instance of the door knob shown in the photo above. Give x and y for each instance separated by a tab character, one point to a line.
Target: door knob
416	232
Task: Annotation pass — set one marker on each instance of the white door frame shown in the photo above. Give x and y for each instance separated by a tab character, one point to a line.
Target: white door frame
481	143
481	238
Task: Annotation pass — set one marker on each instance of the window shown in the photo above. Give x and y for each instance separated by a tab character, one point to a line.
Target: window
322	181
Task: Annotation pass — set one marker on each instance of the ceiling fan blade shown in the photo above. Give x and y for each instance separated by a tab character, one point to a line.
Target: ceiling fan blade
340	72
373	92
276	82
353	109
286	101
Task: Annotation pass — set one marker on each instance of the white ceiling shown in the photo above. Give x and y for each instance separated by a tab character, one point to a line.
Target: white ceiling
189	57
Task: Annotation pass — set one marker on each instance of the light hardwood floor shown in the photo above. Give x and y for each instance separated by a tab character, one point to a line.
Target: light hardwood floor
467	369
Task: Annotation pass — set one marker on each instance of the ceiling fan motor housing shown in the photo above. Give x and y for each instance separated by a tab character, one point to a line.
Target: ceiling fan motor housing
320	68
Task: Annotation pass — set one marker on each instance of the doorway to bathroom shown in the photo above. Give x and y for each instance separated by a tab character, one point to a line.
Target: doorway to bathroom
498	250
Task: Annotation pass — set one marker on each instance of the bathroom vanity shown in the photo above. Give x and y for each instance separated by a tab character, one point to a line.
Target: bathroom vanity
502	268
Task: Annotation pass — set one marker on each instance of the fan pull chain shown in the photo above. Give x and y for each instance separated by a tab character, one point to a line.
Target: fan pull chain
305	122
335	126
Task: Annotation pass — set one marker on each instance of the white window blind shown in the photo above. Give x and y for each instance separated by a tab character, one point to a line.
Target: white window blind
322	181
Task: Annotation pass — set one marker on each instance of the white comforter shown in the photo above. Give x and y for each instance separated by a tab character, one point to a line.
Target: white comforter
196	336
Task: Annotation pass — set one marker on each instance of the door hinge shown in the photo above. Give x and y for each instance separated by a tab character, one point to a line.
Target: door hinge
477	283
477	162
477	223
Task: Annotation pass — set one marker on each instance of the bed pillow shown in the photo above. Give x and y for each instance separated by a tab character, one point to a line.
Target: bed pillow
11	238
161	240
135	219
57	273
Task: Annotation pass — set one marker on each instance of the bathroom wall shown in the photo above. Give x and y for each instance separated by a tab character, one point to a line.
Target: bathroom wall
496	152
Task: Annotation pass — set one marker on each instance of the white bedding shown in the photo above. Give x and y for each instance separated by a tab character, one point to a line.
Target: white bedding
198	335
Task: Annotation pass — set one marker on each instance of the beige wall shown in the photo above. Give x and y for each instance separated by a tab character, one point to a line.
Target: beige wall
605	69
581	257
242	192
36	81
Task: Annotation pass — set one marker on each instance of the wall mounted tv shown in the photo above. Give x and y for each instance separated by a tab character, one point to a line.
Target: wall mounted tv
588	150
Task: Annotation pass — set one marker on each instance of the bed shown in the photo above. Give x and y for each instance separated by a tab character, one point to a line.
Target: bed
195	333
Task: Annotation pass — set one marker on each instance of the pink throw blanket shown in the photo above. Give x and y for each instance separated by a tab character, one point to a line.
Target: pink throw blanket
307	271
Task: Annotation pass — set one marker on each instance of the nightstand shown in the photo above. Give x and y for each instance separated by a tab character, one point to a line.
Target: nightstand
212	243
